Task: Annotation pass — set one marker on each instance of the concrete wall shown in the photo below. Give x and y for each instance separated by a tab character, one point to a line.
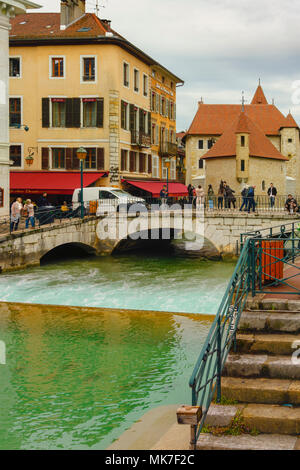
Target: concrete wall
4	133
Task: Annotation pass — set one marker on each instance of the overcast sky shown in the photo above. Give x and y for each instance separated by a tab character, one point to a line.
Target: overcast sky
218	47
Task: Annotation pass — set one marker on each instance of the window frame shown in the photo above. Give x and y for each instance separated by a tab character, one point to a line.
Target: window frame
51	58
126	84
21	111
127	116
82	111
51	112
88	82
89	148
20	65
54	147
138	80
17	144
145	76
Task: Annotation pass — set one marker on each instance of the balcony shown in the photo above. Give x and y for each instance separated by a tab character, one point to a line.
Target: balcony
167	149
140	139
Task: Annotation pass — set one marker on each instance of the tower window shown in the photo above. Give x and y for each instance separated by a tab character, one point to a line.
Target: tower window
242	165
242	141
201	164
200	144
263	185
290	141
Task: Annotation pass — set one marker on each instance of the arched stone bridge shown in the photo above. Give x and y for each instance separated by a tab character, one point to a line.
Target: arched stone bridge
215	234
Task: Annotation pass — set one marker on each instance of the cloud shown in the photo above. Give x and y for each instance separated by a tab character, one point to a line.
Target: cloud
219	47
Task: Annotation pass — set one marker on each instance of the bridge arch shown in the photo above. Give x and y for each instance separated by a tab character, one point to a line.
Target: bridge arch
67	250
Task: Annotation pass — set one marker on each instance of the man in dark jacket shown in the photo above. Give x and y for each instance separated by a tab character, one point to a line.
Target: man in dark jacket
244	194
43	202
251	201
272	193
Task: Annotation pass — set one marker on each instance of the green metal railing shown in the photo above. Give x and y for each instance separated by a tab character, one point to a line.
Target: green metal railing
263	254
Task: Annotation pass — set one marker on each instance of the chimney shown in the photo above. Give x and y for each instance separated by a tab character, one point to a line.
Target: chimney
70	10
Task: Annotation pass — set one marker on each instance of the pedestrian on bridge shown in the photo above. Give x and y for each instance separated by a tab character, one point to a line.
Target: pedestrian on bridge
221	192
29	209
244	194
251	200
15	216
272	193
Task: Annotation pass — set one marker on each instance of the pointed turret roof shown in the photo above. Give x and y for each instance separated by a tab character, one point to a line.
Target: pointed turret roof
290	122
242	125
259	97
259	144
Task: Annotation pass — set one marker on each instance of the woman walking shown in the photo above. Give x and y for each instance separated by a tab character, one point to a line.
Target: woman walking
15	216
200	195
211	196
221	192
29	208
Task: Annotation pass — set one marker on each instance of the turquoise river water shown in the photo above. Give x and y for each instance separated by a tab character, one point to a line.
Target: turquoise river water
76	378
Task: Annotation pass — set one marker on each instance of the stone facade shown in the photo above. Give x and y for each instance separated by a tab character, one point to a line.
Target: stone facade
218	235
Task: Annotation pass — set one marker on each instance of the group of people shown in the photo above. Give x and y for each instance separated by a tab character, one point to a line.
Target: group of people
18	209
27	209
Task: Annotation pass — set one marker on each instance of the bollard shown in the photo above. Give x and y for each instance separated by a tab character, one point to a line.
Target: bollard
190	415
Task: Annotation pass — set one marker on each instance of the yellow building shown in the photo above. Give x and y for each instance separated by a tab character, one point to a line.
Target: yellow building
163	134
75	82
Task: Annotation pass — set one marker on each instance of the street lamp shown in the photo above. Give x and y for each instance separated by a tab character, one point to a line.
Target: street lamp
81	155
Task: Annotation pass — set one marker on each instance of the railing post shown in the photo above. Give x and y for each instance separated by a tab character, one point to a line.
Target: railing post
253	270
219	361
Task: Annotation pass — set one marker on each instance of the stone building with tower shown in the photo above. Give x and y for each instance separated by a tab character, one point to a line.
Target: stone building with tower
251	144
75	82
8	9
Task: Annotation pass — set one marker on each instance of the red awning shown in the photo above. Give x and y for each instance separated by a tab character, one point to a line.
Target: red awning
51	182
154	187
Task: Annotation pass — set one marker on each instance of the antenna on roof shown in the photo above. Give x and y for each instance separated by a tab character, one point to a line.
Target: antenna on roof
243	101
259	81
97	7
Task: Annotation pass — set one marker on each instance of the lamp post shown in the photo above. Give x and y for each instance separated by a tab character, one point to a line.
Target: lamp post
81	155
167	166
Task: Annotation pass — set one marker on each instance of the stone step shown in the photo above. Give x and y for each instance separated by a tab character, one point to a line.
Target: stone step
273	304
260	390
284	322
247	442
274	344
255	365
271	419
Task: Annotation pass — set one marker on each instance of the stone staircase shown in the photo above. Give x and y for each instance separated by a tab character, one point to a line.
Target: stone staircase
261	378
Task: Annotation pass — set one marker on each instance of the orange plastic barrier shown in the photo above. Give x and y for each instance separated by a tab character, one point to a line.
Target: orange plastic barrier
271	267
93	207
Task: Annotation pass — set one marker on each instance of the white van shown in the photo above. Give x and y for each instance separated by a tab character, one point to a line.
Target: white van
99	200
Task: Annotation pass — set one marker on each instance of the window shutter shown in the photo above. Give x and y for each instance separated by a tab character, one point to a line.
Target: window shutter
123	111
141	120
75	160
157	103
149	163
76	112
45	158
45	112
69	112
131	118
132	164
161	104
167	108
149	123
100	112
174	117
100	159
69	159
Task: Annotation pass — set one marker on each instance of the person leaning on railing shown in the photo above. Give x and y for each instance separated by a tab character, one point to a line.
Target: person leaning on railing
291	204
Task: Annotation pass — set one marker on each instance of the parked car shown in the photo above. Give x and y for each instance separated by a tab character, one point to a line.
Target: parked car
100	200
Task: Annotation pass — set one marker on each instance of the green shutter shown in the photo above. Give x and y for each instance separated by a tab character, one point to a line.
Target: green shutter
45	112
69	112
100	112
76	112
